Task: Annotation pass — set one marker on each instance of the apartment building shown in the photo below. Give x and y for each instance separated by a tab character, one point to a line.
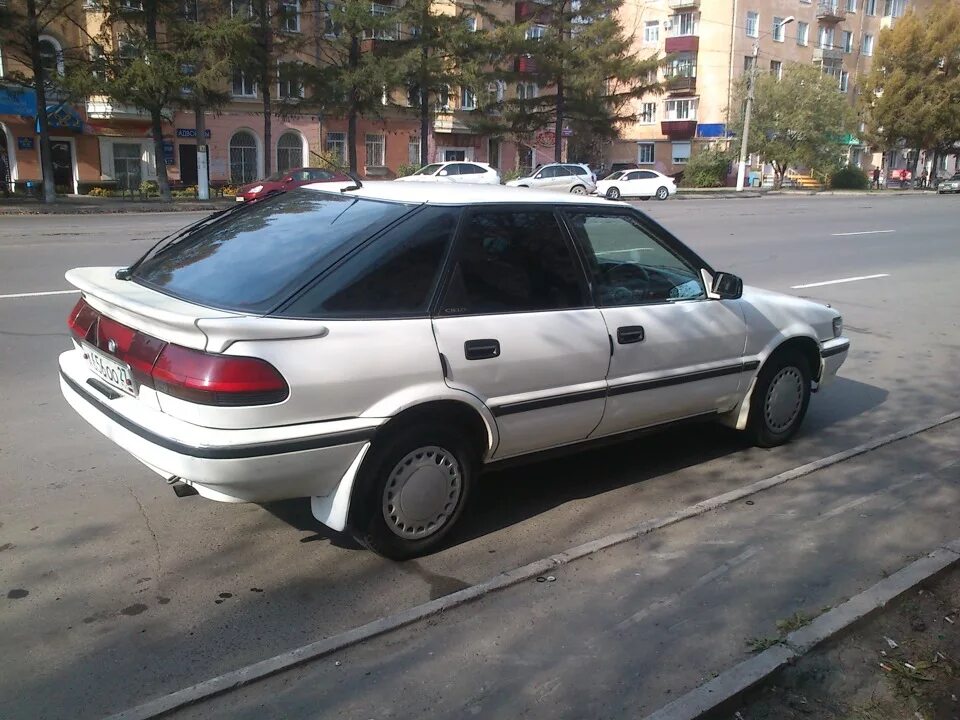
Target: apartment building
711	44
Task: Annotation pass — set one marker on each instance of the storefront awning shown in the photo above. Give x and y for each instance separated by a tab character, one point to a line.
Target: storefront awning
18	101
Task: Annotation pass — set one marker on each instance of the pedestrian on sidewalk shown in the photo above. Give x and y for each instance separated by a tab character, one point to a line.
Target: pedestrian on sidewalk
876	178
923	179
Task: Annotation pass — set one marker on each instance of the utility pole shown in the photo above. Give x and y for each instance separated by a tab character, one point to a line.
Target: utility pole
751	85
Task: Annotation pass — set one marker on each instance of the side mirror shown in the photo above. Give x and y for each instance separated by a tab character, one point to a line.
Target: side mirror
442	173
726	286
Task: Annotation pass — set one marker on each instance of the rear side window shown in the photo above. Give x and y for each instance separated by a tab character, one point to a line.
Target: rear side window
577	170
467	169
513	261
393	275
254	259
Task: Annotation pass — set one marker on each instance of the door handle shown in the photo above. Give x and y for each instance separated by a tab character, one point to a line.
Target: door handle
481	349
630	334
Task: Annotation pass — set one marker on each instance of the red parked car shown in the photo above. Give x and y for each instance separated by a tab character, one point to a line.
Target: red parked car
287	180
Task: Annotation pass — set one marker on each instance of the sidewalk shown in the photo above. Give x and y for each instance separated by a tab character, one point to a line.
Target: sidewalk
626	630
730	193
86	205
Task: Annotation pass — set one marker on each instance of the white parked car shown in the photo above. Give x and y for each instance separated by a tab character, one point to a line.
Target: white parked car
373	349
637	183
474	173
564	177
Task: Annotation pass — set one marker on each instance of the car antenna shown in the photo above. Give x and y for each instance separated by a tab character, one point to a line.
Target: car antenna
356	179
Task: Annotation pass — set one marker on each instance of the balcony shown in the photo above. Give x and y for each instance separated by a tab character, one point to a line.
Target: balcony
831	11
526	64
828	54
106	109
682	4
679	129
682	83
682	43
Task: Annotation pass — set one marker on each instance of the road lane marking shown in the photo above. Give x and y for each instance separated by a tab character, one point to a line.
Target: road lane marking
37	294
840	281
863	232
234	679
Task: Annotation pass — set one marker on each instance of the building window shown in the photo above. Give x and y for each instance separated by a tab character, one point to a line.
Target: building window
681	109
468	99
330	28
803	33
376	150
496	91
471	23
681	153
127	166
288	81
683	65
870	7
337	147
241	8
894	8
51	57
645	153
753	24
868	45
825	40
413	150
290	15
289	152
684	24
749	63
189	10
651	33
243	157
381	11
851	6
776	69
844	81
527	91
243	86
648	113
847	41
779	32
535	32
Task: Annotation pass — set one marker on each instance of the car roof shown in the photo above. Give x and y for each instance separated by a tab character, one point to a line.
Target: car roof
457	162
441	194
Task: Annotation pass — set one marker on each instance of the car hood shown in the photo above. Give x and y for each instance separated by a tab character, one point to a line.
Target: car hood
264	185
418	178
783	311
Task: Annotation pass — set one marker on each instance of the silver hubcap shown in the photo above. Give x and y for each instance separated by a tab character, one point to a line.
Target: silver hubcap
784	398
422	492
578	190
662	193
613	193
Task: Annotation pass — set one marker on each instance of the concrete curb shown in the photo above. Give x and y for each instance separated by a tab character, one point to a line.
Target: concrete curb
111	209
740	678
236	678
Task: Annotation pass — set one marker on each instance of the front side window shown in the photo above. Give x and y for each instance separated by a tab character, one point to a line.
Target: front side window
429	169
376	148
513	261
255	258
628	265
394	275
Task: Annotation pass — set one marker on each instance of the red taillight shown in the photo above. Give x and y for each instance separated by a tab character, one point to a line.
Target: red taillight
217	379
184	373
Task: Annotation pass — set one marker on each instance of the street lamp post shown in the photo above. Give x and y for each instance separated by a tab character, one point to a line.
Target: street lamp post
751	83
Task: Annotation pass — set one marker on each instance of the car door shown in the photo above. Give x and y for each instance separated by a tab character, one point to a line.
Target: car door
515	327
629	184
467	173
676	354
645	183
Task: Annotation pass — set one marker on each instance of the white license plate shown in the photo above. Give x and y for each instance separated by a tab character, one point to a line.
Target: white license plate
111	371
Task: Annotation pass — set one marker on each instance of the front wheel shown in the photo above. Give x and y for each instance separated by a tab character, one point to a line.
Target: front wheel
780	398
578	190
662	193
411	490
613	194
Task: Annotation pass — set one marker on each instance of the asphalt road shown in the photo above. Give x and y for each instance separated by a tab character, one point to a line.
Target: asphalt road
114	591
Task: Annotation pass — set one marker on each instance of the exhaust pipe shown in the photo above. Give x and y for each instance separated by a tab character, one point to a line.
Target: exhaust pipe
181	489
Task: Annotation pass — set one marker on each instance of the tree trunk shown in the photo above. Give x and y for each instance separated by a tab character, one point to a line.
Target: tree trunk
558	125
203	166
914	161
424	96
779	171
156	117
266	82
49	193
354	63
931	181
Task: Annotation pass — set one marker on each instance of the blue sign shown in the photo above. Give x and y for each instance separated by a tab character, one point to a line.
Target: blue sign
25	143
191	133
62	117
711	130
168	152
18	101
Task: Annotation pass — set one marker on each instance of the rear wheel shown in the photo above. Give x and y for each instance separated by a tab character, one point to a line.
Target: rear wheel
662	193
578	190
411	490
613	194
780	398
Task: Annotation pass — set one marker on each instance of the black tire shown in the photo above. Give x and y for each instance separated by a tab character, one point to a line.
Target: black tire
613	194
775	420
368	514
662	193
578	190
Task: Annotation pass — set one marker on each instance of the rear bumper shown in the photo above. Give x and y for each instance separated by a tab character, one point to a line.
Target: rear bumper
832	355
249	465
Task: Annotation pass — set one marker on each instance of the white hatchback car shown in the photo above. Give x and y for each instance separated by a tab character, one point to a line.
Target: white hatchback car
471	173
374	348
564	177
637	183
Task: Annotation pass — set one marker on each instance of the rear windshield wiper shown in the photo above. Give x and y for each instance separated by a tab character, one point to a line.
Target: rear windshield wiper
178	235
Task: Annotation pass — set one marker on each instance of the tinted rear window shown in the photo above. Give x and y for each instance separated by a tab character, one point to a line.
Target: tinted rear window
257	257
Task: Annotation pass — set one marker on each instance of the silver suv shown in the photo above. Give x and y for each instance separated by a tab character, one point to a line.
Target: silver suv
564	177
